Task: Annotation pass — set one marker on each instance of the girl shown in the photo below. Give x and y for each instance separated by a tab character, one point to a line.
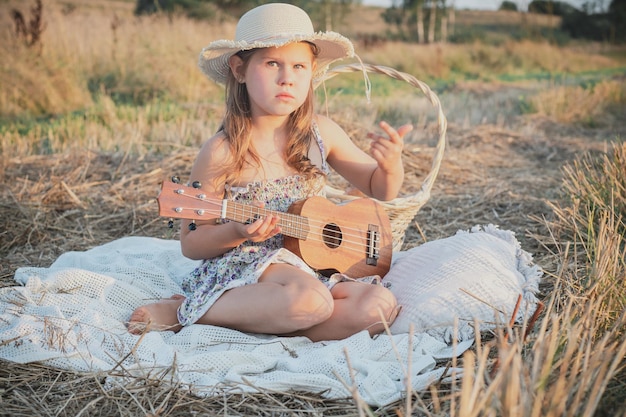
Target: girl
273	150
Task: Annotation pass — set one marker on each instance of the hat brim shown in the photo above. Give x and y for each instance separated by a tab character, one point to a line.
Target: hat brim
213	60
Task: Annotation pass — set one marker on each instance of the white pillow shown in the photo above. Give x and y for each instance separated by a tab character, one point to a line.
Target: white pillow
476	275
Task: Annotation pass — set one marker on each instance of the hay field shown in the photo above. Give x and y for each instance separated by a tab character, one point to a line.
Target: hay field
111	105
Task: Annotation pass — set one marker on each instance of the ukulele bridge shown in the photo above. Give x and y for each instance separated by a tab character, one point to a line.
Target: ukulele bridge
373	245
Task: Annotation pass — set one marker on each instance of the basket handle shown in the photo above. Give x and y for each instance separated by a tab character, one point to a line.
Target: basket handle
442	122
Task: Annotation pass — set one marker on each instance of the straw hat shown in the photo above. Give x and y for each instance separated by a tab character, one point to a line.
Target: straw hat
273	24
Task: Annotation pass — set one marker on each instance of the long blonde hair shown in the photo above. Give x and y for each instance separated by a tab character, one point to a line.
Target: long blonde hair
237	129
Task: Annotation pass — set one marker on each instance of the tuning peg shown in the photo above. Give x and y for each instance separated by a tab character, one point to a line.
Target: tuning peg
170	223
192	225
196	184
175	179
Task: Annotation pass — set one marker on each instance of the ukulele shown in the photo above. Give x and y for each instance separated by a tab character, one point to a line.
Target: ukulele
352	238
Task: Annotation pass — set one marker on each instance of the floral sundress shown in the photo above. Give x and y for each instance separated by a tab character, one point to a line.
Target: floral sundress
244	264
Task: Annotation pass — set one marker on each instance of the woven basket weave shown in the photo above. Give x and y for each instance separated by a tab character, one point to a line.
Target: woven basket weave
401	210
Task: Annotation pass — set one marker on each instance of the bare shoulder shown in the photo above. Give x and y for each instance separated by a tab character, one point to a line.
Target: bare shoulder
215	149
208	168
330	131
327	125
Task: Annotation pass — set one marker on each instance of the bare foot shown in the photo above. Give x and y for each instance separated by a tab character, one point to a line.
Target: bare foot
159	316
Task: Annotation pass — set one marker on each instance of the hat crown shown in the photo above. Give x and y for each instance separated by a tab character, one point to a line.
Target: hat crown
273	20
273	25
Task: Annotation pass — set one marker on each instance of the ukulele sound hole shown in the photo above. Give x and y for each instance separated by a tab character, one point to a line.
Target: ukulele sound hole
332	235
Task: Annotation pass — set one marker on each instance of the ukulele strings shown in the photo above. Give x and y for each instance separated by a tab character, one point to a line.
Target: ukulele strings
326	232
326	235
353	238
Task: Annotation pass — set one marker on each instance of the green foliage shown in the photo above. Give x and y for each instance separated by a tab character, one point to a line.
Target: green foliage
195	9
468	34
580	25
393	16
525	106
404	18
327	13
497	34
617	16
557	8
508	5
131	88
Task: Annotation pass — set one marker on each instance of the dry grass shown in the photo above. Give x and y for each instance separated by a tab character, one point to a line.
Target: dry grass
73	201
86	51
506	17
485	62
367	20
588	105
91	49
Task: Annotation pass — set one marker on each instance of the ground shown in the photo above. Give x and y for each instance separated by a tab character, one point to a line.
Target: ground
503	170
500	170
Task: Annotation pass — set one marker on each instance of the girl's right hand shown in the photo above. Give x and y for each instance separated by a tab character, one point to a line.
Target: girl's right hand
261	229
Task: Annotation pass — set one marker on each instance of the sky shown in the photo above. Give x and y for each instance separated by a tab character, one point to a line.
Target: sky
475	4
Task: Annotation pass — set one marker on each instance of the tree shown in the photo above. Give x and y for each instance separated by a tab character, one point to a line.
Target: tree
557	8
328	12
421	20
394	16
195	9
508	5
617	17
583	25
432	20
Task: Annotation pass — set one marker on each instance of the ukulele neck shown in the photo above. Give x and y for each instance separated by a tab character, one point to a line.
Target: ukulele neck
291	225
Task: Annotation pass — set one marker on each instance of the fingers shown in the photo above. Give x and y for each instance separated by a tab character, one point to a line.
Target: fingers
387	151
404	129
395	136
264	225
392	144
263	228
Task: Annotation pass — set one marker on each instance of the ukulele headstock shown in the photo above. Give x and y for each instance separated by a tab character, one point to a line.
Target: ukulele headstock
178	201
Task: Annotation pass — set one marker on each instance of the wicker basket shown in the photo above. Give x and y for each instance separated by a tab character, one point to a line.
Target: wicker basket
401	210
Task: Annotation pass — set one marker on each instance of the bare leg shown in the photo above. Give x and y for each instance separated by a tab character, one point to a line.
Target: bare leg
284	300
358	306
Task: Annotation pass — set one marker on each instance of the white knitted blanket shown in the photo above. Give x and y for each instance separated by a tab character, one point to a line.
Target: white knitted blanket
72	316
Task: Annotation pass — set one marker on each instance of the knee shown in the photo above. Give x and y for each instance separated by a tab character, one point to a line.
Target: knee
309	305
375	307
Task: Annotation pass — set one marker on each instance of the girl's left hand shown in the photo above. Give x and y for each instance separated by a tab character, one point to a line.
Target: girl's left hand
387	151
